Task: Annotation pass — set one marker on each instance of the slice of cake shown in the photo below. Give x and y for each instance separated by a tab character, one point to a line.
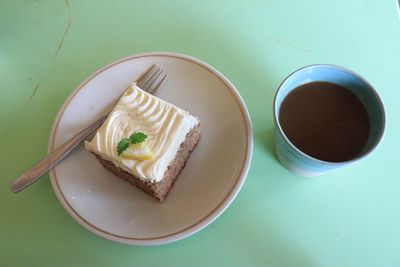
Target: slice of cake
146	141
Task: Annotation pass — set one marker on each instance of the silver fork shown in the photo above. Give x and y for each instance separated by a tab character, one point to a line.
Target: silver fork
150	81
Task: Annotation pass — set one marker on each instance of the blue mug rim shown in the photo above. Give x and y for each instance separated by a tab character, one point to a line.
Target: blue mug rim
376	95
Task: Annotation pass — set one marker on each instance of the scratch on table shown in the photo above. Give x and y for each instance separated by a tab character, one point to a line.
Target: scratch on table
39	6
290	45
339	230
35	89
69	23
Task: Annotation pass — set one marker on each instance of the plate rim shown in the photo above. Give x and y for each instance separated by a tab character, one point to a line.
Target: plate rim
204	220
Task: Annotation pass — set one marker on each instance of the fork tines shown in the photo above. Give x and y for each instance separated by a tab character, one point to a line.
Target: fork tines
152	80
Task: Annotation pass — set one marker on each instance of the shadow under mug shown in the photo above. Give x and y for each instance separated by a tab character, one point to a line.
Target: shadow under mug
299	162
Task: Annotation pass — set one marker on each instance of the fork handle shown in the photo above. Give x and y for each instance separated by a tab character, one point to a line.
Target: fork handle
51	160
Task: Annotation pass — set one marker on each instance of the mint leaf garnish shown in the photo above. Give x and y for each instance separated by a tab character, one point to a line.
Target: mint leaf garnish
123	145
137	138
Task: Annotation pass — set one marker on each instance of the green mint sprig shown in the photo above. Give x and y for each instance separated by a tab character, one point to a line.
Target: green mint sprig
135	138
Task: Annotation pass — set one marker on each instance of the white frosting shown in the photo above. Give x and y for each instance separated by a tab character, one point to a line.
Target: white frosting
137	111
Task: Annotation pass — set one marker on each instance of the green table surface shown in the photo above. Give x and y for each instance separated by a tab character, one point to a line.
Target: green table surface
350	217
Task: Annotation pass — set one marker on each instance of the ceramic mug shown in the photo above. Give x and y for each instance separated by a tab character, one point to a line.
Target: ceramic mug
299	162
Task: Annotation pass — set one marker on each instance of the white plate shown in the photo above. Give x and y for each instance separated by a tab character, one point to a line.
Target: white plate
214	174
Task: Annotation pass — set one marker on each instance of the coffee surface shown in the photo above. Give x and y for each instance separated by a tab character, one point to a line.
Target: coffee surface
325	121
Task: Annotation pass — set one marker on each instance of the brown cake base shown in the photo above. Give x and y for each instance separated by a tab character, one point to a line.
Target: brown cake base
161	189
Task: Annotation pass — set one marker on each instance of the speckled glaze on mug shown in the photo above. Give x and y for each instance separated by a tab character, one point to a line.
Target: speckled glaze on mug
299	162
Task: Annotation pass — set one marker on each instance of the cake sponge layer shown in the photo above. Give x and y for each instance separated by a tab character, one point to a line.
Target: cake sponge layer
161	189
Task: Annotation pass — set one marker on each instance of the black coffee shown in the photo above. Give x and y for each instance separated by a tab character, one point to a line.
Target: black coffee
325	121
